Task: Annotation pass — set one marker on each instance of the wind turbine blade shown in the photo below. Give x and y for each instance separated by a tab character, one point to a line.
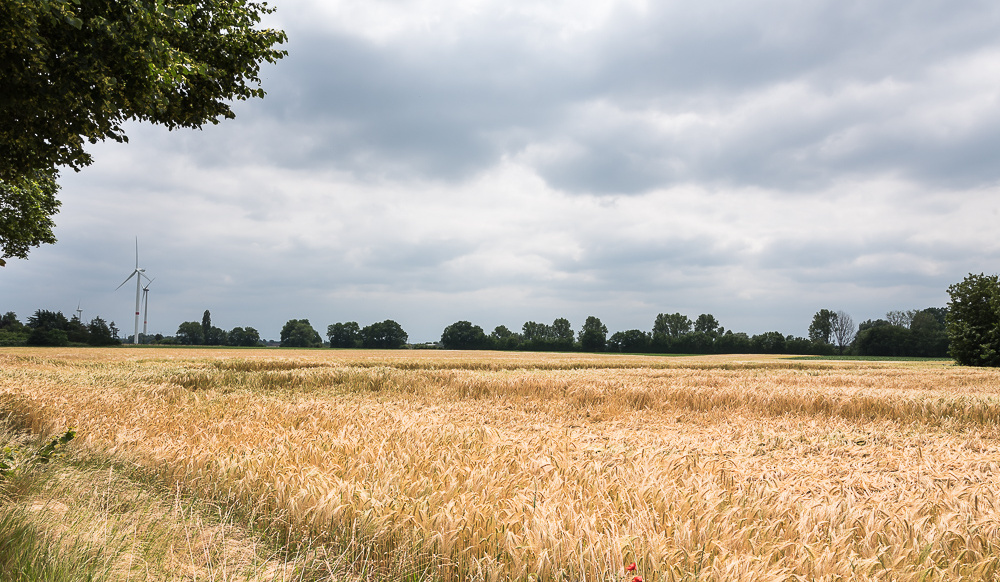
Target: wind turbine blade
126	280
137	253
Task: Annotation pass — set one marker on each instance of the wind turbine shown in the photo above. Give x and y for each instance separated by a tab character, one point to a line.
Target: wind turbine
79	312
138	274
145	304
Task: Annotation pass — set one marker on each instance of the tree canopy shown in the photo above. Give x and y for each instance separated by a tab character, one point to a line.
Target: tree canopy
463	335
73	72
974	320
386	335
299	333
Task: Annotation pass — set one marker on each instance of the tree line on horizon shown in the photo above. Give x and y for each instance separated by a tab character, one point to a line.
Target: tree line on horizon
917	333
967	330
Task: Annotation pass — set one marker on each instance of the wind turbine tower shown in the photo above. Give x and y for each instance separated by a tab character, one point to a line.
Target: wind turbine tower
79	312
138	274
145	305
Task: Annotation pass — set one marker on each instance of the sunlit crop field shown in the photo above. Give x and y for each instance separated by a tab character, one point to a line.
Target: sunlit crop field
505	466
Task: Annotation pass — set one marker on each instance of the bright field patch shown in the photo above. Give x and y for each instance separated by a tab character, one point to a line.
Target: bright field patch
500	466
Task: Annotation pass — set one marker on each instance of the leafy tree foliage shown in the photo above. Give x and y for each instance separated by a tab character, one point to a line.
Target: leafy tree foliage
706	323
243	337
27	204
299	333
99	333
771	342
75	71
539	336
925	337
733	343
344	335
821	328
385	335
881	338
632	341
534	333
593	335
929	331
44	319
216	336
974	320
12	331
190	333
77	332
503	338
463	335
10	322
900	318
673	325
48	328
562	334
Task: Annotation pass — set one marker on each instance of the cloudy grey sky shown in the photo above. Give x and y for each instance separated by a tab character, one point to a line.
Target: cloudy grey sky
502	161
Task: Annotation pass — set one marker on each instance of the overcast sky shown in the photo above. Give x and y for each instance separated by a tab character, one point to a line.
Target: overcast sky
501	161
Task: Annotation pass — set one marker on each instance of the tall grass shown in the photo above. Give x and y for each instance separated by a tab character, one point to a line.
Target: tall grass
469	467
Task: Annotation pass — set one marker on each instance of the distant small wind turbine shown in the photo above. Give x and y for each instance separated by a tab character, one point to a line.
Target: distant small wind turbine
145	305
79	312
138	274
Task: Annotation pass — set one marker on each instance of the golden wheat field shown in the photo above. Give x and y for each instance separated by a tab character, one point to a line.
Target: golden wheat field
434	465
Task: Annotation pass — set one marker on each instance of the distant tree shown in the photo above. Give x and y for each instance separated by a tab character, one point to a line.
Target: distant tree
533	332
77	332
733	343
632	341
41	336
771	342
881	338
190	333
800	345
974	320
562	334
114	330
299	333
694	342
900	318
673	325
243	337
463	335
48	320
9	321
385	335
12	331
48	328
593	335
929	333
216	336
843	330
821	328
344	335
504	339
99	333
706	323
206	325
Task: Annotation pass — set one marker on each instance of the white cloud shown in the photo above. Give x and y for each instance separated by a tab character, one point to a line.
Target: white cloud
433	161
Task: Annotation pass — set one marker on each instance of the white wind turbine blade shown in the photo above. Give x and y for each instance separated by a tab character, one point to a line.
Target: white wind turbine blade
126	280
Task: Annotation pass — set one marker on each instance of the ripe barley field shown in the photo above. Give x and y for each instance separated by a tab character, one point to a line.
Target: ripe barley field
506	466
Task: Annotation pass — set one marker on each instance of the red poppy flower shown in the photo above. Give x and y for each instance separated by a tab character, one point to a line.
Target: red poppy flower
631	567
637	579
